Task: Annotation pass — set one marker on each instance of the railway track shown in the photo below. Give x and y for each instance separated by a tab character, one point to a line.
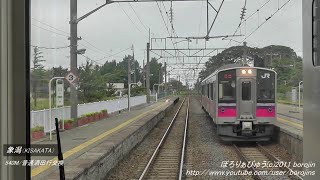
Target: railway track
258	154
167	159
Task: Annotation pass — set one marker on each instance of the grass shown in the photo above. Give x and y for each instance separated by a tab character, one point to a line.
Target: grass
37	129
43	103
281	101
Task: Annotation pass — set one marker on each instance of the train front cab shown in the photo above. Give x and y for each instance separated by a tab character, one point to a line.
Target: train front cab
246	104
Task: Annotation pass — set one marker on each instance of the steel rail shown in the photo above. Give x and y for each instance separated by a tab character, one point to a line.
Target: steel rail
184	141
244	158
275	159
146	169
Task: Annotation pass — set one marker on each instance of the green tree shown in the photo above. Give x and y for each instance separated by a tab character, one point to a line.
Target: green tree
92	86
176	85
38	73
156	76
58	72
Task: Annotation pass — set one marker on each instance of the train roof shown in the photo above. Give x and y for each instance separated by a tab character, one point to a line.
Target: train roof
230	66
212	77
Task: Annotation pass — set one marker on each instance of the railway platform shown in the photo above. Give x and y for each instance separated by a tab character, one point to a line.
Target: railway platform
289	129
86	149
290	119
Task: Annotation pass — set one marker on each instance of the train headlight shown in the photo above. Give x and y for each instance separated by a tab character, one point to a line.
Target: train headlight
244	71
249	71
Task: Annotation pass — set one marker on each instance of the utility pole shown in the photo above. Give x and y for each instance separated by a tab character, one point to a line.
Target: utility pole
134	66
165	78
160	73
271	58
160	77
148	73
244	62
179	84
73	57
129	80
143	74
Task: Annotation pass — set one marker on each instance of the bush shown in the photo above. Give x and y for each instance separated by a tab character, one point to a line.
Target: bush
66	121
104	110
86	115
90	114
37	129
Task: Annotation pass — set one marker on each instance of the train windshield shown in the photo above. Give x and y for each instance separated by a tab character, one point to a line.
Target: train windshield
265	86
227	86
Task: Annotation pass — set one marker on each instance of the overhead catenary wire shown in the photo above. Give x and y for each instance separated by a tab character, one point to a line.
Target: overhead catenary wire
241	21
81	44
267	19
145	27
49	30
114	54
66	34
131	20
163	19
43	47
46	24
91	59
249	17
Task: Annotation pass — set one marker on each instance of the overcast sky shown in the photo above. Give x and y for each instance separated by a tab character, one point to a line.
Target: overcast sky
117	26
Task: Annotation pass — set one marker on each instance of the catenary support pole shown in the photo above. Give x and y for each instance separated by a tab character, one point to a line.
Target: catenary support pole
165	78
244	53
134	66
129	81
148	73
73	57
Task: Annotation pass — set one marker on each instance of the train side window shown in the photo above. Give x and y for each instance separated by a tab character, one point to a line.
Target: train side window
201	90
209	85
246	91
316	33
212	90
208	90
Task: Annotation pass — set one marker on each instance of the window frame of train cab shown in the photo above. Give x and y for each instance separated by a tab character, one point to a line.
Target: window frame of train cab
246	93
220	86
315	33
266	86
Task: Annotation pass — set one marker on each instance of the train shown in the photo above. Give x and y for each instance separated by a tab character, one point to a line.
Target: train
241	100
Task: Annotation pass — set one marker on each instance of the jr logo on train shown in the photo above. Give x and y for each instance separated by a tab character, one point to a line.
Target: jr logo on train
241	101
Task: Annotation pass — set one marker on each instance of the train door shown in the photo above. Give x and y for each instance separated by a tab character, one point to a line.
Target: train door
246	98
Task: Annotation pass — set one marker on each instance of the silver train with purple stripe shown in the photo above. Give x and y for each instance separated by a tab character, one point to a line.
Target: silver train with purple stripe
241	100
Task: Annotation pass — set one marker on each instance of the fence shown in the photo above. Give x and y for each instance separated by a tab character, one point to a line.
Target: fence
41	118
